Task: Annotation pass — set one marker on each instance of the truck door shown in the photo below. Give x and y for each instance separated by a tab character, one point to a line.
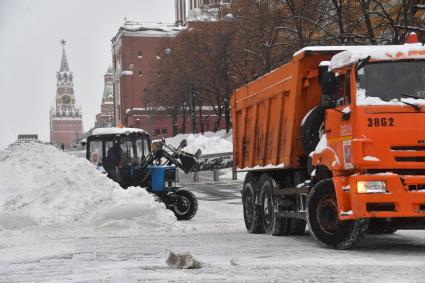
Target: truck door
338	125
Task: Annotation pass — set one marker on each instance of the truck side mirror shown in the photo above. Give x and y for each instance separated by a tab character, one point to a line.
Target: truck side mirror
327	82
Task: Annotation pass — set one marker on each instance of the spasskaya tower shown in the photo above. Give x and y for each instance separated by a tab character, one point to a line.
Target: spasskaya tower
66	123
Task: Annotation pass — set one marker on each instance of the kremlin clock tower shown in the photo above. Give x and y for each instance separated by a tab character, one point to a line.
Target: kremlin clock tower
66	123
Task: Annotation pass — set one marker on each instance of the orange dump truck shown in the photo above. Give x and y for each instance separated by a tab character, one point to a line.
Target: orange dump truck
334	139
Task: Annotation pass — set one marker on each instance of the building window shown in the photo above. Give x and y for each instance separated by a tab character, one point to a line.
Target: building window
157	56
159	73
140	74
157	131
140	55
164	131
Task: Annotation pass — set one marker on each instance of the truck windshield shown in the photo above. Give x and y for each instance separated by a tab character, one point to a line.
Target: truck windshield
391	81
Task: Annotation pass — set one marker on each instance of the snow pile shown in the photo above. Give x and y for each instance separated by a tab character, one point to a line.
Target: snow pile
40	185
209	142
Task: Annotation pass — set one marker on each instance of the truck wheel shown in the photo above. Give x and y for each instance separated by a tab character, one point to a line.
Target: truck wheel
251	211
276	226
185	206
323	221
312	129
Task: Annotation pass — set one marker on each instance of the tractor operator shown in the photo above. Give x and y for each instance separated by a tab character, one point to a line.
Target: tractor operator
114	156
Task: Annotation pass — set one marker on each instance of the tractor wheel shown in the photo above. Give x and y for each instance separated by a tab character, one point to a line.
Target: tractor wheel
323	221
276	226
252	213
186	205
312	129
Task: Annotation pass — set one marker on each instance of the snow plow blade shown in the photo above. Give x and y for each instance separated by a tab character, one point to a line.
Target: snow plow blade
214	161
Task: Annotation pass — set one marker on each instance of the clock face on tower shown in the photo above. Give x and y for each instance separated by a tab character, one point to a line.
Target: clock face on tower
66	99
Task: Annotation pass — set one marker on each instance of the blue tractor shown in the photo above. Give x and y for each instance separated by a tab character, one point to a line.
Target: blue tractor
130	158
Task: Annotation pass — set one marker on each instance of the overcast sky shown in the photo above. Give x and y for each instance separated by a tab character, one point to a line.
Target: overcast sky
30	53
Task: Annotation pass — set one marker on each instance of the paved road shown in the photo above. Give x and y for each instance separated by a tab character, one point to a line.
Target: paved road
217	237
206	189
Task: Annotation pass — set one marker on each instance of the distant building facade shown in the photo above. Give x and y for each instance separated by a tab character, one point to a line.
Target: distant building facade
66	124
105	118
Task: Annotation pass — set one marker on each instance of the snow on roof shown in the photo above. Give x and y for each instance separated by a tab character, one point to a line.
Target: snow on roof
321	48
151	29
382	52
351	54
325	63
117	131
203	15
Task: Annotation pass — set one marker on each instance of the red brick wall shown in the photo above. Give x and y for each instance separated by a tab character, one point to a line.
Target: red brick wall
145	68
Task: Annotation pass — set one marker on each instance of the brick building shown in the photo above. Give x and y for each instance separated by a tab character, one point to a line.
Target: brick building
66	124
135	56
106	116
136	52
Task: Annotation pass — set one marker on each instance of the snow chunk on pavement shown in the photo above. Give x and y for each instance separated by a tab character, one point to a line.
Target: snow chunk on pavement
42	185
183	261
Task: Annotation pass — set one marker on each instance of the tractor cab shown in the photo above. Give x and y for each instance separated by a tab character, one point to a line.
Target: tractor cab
117	151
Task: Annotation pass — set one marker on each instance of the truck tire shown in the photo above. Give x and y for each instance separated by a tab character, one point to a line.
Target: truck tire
276	226
185	206
312	129
252	212
323	221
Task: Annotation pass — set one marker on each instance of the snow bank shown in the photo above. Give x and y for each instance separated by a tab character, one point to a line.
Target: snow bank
209	142
40	185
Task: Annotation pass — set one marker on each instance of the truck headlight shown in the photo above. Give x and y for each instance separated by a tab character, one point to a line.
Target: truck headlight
371	187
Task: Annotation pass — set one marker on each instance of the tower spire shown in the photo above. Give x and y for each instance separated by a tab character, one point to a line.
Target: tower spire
64	63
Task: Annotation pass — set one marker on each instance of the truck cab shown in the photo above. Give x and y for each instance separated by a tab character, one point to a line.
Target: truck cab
374	136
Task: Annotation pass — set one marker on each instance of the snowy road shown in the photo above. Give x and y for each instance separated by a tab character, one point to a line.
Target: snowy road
217	237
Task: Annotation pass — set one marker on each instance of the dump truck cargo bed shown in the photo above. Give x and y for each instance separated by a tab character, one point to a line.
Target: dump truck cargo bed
267	114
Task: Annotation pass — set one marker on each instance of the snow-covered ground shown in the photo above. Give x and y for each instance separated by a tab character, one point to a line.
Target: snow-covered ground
62	221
